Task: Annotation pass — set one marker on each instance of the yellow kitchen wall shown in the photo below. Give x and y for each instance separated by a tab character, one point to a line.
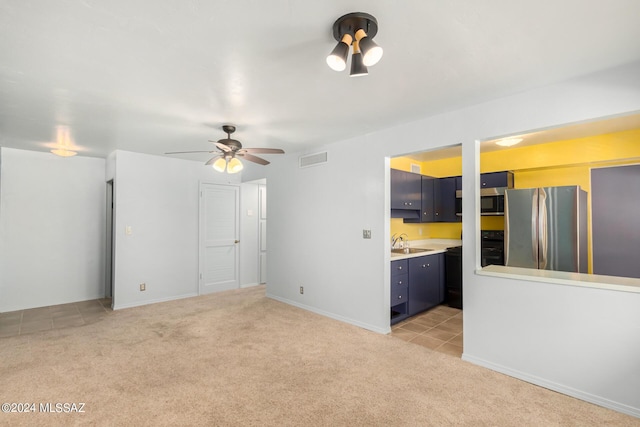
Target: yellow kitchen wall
566	162
613	147
431	230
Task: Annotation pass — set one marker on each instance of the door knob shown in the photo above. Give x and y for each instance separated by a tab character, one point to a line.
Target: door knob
237	241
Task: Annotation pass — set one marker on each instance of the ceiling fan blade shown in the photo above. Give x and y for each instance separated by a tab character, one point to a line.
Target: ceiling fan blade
222	146
254	159
186	152
263	150
212	160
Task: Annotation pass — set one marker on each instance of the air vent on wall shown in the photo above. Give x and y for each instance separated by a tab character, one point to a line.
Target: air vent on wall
313	159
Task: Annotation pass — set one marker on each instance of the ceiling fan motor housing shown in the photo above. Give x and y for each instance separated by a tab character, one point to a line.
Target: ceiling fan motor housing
233	143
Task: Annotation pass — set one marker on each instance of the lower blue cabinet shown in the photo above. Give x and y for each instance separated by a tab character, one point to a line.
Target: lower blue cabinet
399	290
417	284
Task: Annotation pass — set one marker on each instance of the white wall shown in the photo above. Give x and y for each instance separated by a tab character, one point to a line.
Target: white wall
316	217
158	197
52	218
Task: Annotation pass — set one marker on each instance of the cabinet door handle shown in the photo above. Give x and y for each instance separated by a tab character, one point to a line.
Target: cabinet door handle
424	266
400	282
399	296
400	268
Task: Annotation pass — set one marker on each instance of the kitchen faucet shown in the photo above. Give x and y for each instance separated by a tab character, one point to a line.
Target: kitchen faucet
395	239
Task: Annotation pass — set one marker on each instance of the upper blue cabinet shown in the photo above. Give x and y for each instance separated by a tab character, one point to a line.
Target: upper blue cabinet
496	180
406	194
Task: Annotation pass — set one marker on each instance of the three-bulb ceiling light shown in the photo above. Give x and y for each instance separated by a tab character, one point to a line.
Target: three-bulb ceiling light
228	162
355	29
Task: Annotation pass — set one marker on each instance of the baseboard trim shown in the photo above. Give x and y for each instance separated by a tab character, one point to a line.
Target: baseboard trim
153	301
560	388
249	285
331	315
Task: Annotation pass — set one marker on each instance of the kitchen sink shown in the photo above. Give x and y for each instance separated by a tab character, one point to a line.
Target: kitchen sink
409	250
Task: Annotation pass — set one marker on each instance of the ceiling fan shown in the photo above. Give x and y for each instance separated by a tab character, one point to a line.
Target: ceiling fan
229	150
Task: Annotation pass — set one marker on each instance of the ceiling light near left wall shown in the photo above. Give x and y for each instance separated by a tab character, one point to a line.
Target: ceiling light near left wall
63	141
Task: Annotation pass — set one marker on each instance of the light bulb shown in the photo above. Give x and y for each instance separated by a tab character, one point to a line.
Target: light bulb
337	59
220	164
371	52
234	166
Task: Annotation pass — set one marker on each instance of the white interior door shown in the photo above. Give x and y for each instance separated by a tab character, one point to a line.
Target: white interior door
219	237
263	233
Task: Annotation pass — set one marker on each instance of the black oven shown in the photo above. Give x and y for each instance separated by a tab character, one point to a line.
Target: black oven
491	247
491	201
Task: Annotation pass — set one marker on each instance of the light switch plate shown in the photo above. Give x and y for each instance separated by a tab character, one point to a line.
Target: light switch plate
366	234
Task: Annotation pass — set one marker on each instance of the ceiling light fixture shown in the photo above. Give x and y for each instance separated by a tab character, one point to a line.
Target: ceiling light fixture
355	29
63	152
509	142
63	141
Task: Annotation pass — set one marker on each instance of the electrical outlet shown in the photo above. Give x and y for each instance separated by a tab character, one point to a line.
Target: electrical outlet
143	286
301	289
366	234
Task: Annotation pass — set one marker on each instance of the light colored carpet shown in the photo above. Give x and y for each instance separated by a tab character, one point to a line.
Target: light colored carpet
239	358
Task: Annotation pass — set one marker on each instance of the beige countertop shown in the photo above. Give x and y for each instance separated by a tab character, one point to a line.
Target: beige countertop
624	284
436	246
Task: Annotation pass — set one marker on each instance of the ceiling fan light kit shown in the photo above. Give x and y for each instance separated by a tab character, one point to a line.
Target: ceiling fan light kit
63	152
355	29
229	151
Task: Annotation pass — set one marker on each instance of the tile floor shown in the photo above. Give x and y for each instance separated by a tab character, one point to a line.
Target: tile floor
439	329
24	322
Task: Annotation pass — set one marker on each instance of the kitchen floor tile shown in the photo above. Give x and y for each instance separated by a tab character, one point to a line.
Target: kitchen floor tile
36	326
429	342
33	314
405	335
9	330
426	321
415	327
452	349
68	321
439	329
455	329
13	318
457	340
440	334
55	317
454	321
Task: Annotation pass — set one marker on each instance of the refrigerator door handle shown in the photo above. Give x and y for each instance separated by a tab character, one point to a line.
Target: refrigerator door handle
542	229
534	227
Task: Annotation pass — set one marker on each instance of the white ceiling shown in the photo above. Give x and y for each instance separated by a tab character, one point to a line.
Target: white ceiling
157	76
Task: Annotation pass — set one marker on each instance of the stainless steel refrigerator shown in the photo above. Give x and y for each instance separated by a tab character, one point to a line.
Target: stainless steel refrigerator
546	228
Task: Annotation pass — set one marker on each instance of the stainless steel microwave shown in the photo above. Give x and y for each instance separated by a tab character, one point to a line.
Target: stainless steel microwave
491	201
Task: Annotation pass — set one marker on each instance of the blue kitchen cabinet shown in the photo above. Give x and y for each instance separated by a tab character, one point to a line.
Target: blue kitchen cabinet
438	200
426	282
406	194
427	212
399	290
444	200
496	179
